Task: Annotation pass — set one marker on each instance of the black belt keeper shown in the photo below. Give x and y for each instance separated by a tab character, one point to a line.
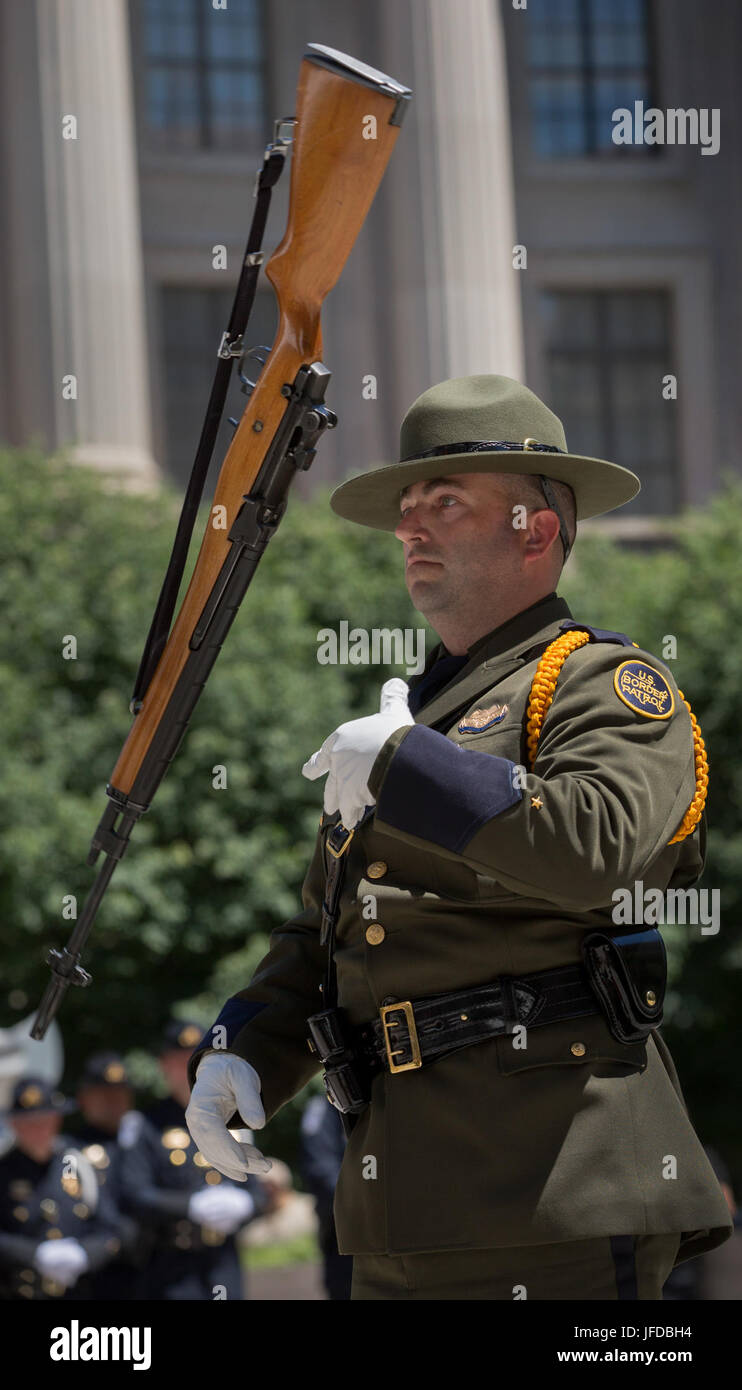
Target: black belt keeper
328	1029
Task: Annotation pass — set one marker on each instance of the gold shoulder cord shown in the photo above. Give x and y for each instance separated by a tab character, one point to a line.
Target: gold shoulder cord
542	694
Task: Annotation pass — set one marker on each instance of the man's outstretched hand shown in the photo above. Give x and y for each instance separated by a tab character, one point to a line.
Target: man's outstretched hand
225	1083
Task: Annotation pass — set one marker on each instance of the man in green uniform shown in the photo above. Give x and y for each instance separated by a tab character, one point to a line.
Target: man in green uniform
516	1126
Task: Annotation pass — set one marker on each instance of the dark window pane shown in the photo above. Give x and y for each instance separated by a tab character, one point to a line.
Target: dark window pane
170	29
637	320
608	352
610	94
173	107
205	73
576	383
233	32
586	58
192	324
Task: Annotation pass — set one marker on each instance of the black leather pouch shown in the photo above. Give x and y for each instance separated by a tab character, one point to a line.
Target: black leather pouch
628	973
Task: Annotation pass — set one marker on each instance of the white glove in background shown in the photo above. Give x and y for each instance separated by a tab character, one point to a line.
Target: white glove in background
225	1083
349	754
222	1207
62	1260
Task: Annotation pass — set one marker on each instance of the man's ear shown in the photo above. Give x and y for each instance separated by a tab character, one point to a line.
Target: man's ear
542	531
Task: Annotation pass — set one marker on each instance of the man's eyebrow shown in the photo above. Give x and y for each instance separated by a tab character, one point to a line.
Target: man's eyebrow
430	484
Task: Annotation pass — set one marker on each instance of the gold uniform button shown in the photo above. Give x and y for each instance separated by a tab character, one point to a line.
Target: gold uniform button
578	1049
177	1157
375	934
212	1177
377	869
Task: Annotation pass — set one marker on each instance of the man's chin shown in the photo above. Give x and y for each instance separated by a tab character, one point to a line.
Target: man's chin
428	594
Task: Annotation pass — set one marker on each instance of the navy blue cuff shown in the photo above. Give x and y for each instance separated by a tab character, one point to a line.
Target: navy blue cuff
437	791
233	1017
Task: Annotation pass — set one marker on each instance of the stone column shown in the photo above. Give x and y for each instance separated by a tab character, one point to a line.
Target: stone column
96	276
467	221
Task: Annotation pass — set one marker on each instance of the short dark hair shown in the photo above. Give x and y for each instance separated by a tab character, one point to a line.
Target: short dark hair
525	489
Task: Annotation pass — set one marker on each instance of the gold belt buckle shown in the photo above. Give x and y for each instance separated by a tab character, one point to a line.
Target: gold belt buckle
406	1008
336	853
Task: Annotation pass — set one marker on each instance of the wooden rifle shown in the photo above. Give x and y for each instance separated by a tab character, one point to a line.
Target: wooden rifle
346	125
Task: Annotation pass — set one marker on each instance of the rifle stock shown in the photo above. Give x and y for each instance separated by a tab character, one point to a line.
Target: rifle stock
347	122
335	173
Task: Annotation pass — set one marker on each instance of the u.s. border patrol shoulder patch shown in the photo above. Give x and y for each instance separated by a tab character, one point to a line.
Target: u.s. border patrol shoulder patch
480	719
643	689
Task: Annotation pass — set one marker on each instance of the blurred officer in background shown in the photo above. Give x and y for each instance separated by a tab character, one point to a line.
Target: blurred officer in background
57	1228
192	1212
321	1149
104	1096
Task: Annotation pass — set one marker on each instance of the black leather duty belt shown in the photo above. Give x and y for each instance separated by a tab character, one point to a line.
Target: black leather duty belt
408	1033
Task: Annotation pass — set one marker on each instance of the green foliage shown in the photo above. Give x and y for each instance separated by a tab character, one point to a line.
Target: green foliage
211	872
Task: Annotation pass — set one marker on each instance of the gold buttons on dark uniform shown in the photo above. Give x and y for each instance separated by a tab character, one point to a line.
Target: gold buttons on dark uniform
377	869
97	1155
20	1213
176	1139
651	998
375	934
577	1049
177	1157
212	1177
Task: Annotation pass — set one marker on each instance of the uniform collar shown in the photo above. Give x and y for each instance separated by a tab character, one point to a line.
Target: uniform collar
493	656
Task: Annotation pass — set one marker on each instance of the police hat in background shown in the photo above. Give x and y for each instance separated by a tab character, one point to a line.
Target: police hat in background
104	1069
181	1035
32	1095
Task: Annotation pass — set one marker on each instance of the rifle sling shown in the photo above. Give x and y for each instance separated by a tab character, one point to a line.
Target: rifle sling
268	176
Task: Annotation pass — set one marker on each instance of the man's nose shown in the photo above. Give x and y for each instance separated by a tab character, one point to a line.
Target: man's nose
411	525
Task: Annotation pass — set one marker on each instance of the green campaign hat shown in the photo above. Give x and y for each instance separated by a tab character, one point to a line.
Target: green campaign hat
481	424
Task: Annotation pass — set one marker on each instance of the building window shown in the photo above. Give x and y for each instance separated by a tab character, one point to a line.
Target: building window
586	58
608	352
204	81
193	321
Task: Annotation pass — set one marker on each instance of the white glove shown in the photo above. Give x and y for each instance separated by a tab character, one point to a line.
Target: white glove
224	1208
225	1083
349	754
61	1260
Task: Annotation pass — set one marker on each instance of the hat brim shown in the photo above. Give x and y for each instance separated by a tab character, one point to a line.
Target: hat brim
372	499
66	1107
